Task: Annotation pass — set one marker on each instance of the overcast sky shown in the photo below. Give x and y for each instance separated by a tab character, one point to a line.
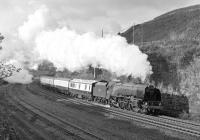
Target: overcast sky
87	15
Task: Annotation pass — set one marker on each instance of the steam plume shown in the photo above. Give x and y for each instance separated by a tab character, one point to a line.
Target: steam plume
18	50
68	49
22	77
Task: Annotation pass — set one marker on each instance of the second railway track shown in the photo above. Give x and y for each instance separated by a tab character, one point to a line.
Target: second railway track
60	124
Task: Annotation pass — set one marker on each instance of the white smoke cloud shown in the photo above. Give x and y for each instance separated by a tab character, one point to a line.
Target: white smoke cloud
33	25
23	77
68	49
18	49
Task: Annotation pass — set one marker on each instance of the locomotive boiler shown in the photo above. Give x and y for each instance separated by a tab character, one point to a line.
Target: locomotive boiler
133	97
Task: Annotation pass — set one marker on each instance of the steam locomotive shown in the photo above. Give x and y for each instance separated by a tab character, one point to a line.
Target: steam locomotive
135	97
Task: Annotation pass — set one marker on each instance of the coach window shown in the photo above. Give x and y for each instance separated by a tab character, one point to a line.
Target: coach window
85	87
72	85
89	87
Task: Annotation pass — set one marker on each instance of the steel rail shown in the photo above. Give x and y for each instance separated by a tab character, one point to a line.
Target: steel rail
154	120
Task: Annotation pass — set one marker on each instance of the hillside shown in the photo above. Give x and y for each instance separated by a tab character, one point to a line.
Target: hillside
172	43
182	23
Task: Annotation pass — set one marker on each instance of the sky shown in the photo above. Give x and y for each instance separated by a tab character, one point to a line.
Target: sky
87	15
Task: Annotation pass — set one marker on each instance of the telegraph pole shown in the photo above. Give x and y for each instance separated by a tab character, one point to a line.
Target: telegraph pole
94	73
142	35
95	67
133	34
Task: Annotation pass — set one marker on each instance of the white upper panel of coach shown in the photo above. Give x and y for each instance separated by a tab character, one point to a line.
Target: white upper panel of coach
46	80
83	81
80	84
62	82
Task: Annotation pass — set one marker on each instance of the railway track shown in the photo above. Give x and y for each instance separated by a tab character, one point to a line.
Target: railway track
179	126
21	123
58	123
182	126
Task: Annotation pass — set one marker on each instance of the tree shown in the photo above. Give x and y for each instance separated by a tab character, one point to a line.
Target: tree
1	38
190	81
96	71
47	67
6	70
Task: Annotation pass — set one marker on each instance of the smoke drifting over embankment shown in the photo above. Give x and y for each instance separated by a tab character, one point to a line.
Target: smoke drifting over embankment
22	77
14	74
68	49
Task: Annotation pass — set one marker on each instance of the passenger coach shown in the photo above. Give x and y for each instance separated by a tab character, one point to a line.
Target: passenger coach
47	81
62	84
82	88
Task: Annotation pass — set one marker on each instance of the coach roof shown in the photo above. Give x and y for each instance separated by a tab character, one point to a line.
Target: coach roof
47	77
63	79
83	81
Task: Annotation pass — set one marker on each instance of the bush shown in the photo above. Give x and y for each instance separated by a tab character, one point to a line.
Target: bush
190	81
